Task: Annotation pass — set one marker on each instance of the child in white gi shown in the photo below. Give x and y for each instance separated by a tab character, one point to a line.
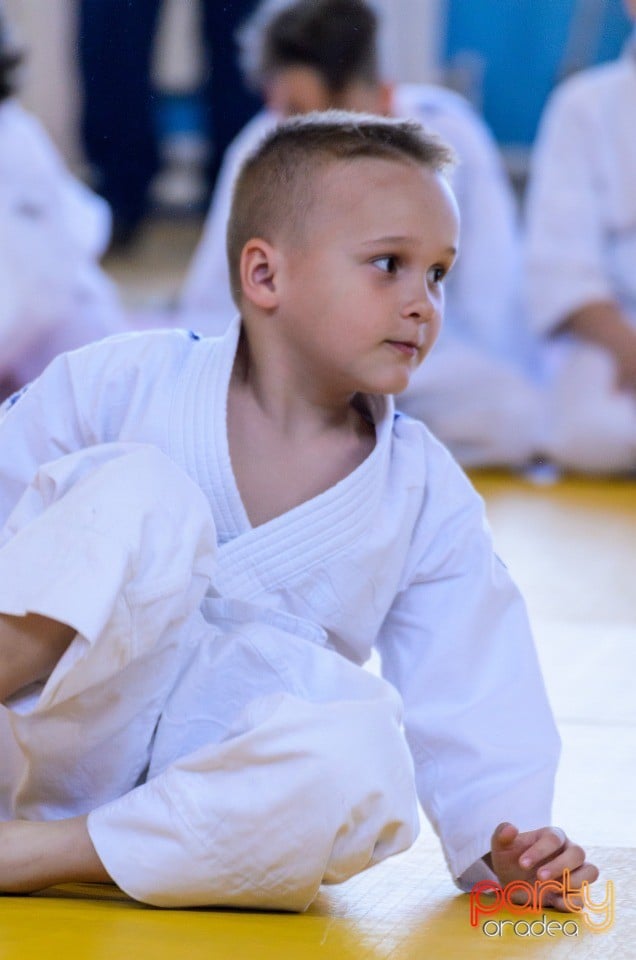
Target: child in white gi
203	540
53	294
581	263
477	395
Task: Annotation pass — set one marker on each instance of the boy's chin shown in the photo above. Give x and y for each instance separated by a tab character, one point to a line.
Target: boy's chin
399	380
386	379
387	386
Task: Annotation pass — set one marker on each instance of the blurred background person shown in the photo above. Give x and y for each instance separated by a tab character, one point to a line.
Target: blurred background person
53	294
581	263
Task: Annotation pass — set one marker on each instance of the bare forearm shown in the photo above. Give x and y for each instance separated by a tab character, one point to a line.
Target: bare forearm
602	323
605	325
36	855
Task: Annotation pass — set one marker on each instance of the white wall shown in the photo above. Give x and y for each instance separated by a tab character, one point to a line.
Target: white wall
413	38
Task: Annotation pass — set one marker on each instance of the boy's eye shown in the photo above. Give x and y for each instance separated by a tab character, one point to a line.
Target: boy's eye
437	273
387	264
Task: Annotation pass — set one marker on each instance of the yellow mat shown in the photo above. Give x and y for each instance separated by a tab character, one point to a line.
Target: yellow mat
404	909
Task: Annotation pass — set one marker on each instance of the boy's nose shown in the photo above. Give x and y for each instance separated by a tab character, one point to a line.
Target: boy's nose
422	307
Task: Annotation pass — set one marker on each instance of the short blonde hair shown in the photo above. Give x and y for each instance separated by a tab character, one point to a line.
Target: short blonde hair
274	190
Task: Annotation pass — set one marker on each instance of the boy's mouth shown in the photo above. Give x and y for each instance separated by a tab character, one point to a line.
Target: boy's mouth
407	347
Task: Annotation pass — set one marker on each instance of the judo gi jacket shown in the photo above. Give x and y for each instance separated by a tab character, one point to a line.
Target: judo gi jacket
395	556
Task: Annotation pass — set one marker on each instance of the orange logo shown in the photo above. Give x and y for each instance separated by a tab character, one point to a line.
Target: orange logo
597	916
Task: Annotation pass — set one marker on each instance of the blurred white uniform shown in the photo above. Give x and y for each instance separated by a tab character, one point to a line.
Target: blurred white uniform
484	347
53	294
581	249
236	752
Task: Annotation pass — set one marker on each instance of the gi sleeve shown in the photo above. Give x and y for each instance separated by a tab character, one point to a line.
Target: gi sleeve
119	388
38	424
457	645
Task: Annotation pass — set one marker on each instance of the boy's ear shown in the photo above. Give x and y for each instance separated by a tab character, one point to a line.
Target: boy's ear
259	273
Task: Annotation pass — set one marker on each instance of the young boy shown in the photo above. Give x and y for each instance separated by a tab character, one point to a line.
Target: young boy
305	55
217	534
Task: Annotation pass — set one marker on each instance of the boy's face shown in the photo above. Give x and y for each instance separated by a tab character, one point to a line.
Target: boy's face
630	8
362	291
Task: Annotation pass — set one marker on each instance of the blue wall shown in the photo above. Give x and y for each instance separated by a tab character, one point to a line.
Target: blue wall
523	44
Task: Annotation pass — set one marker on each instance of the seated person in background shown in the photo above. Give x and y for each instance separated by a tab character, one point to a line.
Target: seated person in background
315	54
581	263
216	534
53	294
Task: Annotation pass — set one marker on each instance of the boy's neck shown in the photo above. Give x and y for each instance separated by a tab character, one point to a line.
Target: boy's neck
295	405
286	445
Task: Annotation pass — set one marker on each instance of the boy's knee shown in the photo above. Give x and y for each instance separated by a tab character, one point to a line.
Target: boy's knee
307	793
363	775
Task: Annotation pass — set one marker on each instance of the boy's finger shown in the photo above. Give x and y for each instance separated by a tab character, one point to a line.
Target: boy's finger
572	859
549	843
588	873
505	833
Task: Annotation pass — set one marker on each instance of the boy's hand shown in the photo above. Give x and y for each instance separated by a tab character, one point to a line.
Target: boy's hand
539	855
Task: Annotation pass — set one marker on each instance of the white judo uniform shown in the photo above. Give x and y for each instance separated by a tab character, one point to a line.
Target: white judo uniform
53	294
484	354
212	712
581	249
